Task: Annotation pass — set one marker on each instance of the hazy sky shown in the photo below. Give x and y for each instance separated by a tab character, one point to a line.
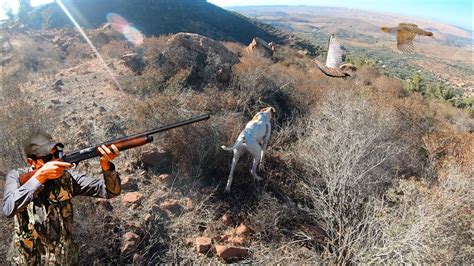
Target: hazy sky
455	12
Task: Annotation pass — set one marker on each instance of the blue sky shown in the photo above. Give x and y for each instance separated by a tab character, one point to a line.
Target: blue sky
454	12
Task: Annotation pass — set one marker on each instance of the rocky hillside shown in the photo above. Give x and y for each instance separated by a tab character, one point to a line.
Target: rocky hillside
393	165
157	17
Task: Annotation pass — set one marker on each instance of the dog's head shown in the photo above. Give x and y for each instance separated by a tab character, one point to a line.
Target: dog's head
270	110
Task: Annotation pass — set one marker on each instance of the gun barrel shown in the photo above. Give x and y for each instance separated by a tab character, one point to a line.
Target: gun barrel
160	129
128	142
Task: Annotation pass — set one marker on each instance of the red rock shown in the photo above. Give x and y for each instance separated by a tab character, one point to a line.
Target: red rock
243	230
148	218
229	253
237	240
172	206
132	198
203	244
189	241
189	204
137	259
105	204
165	179
134	227
128	183
227	219
130	243
221	239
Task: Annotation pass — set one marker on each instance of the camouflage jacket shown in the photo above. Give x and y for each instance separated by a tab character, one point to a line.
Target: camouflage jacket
43	214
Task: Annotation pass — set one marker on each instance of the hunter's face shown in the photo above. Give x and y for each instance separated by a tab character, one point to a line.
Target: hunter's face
55	154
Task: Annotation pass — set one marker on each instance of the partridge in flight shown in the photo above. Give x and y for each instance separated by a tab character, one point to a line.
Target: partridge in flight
334	66
406	33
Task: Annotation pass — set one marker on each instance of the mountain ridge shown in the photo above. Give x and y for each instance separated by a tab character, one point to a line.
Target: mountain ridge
158	17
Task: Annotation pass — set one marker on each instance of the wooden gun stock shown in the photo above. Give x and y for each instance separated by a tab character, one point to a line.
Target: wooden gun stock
25	177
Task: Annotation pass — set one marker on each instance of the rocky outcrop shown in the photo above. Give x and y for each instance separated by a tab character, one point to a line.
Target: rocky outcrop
261	48
206	60
134	61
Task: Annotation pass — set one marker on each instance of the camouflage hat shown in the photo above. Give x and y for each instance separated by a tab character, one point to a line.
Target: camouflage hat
40	144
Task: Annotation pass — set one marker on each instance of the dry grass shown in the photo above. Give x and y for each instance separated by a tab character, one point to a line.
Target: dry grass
339	159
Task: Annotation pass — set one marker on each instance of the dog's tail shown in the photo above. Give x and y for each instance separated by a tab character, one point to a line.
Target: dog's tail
227	148
233	146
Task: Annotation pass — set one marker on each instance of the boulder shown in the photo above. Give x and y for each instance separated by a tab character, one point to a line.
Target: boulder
227	219
237	240
203	244
243	230
132	198
209	61
261	48
229	253
130	242
165	179
134	61
128	183
172	207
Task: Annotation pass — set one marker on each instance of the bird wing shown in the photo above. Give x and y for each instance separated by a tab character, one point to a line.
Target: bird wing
330	71
405	40
410	25
335	53
422	32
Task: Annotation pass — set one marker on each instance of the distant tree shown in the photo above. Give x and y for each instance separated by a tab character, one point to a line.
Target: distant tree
8	10
416	84
46	15
24	12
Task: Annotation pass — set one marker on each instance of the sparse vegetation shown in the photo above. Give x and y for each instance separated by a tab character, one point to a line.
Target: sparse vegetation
361	170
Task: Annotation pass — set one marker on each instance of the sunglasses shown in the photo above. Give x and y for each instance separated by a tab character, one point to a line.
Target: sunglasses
58	154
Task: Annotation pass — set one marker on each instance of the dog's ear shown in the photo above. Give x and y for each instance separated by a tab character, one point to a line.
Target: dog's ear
273	110
263	109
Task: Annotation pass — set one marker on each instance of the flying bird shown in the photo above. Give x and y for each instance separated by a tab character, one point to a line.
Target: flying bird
406	33
334	66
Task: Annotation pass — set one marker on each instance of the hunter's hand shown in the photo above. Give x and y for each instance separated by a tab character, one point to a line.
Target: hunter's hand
107	156
51	170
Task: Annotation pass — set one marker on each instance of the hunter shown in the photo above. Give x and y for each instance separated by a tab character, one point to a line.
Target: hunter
42	207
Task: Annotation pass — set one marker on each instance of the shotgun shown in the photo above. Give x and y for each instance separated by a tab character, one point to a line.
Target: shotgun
125	143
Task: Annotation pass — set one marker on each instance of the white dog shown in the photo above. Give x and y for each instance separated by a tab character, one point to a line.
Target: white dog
257	132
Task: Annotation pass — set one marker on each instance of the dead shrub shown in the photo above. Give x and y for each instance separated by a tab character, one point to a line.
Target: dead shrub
114	49
153	46
366	75
276	233
195	148
422	223
148	83
258	83
235	48
349	158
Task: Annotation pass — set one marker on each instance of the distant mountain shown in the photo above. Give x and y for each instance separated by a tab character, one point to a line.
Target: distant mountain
157	17
445	57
